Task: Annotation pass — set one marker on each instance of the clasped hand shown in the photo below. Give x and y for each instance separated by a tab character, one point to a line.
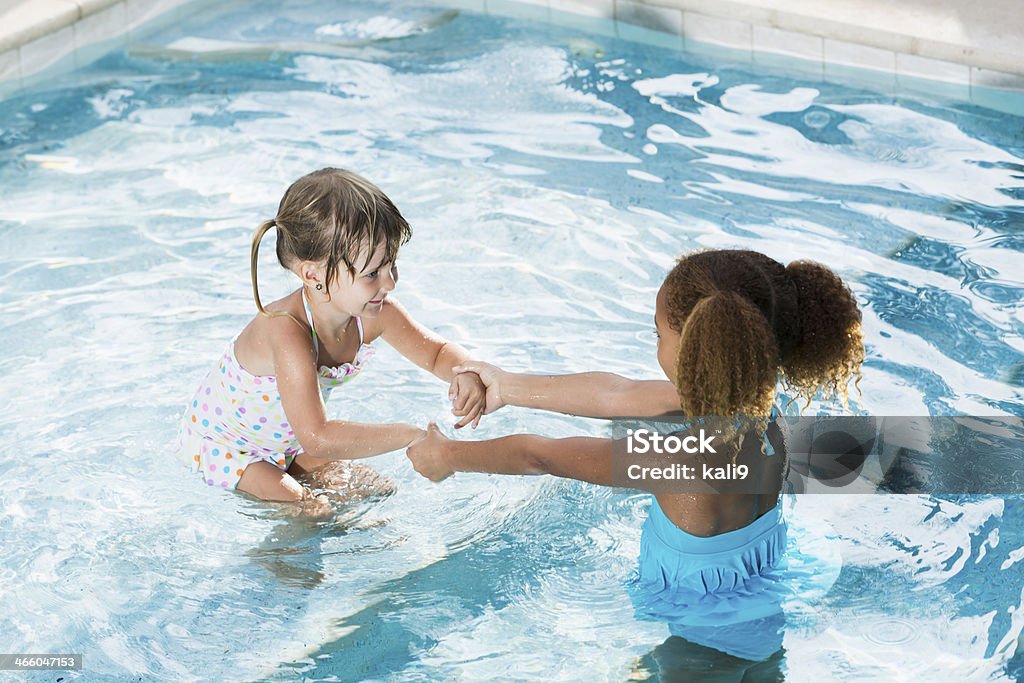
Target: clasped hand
475	391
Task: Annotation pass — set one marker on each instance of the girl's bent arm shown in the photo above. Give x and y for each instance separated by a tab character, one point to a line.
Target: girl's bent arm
338	440
298	384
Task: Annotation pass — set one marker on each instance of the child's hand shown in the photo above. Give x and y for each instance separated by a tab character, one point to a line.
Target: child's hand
468	396
491	376
427	454
415	434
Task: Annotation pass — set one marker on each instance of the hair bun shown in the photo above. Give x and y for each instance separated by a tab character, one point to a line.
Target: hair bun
829	348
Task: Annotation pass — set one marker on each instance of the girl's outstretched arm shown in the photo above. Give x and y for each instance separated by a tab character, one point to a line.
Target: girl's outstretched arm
589	394
582	458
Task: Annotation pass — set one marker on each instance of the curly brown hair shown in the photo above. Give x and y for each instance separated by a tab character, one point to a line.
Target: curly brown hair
746	321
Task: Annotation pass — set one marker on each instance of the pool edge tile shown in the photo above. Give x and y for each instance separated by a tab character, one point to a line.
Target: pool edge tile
879	80
728	33
651	17
27	22
530	10
598	24
150	15
991	78
997	90
919	67
843	53
598	9
10	65
98	32
783	42
42	53
89	7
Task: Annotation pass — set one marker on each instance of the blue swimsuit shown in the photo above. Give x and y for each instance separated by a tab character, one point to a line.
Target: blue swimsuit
729	591
681	569
722	591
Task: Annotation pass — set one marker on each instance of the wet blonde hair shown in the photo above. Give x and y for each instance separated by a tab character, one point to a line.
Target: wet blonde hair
327	217
746	321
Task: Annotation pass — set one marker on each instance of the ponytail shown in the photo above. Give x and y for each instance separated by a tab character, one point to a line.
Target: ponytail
257	237
728	358
829	348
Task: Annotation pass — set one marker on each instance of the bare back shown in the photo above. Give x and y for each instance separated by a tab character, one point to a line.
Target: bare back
710	514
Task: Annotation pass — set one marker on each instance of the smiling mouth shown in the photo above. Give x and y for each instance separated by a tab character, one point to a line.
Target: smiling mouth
377	302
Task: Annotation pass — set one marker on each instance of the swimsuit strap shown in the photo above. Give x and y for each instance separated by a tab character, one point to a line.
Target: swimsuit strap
775	415
309	319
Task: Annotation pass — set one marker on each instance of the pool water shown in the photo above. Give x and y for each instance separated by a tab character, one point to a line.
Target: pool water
551	177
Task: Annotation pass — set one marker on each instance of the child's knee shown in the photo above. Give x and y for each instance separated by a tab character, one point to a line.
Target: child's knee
266	482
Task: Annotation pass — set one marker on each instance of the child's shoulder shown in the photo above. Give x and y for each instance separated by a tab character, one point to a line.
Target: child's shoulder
286	320
291	303
286	326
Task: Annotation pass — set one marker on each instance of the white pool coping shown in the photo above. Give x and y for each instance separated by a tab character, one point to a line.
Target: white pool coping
969	50
38	37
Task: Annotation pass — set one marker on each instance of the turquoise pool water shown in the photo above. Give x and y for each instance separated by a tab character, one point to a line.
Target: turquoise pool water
551	177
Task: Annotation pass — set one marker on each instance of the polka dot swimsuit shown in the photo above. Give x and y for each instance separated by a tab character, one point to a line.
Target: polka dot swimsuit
236	418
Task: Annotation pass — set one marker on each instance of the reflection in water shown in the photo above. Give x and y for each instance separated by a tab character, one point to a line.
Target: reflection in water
292	554
395	627
681	660
292	574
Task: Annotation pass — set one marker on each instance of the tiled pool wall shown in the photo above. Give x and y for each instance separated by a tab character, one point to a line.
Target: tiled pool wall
966	51
975	51
39	38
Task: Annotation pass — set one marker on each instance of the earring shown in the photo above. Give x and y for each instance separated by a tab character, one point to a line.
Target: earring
319	286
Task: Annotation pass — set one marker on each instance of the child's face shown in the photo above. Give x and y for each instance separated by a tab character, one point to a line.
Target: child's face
668	339
364	293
